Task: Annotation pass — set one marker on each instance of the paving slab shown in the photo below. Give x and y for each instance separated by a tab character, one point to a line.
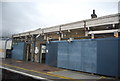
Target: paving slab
49	72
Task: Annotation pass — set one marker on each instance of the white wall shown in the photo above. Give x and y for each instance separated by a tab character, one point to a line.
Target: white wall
2	48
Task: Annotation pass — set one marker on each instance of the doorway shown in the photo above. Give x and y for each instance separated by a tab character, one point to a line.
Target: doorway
42	53
28	52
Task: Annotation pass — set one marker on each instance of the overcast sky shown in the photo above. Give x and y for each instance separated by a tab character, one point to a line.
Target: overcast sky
21	16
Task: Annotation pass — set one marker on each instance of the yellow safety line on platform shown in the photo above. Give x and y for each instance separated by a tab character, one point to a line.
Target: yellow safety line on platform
56	71
103	77
18	61
54	75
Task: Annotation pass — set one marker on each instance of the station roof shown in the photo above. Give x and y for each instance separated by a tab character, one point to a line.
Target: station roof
104	20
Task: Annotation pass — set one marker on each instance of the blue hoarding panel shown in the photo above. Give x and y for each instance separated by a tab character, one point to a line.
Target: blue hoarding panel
119	57
107	59
51	55
78	55
74	53
63	55
89	56
18	51
101	56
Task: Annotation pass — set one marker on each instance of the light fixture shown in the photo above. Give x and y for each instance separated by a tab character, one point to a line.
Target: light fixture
37	35
70	40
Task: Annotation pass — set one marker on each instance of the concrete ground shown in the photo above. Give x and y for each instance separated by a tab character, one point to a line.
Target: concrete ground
43	71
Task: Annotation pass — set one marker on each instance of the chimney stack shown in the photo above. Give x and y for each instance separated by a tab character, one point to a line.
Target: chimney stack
93	15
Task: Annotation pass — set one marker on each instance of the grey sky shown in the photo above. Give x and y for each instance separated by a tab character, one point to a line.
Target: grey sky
25	16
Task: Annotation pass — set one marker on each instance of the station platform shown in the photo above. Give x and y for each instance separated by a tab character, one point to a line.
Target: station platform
48	73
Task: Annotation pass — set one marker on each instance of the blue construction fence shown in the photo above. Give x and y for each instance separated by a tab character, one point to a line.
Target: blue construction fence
100	56
19	51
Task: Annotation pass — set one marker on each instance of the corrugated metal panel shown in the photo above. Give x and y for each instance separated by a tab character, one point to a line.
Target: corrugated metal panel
51	55
18	51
